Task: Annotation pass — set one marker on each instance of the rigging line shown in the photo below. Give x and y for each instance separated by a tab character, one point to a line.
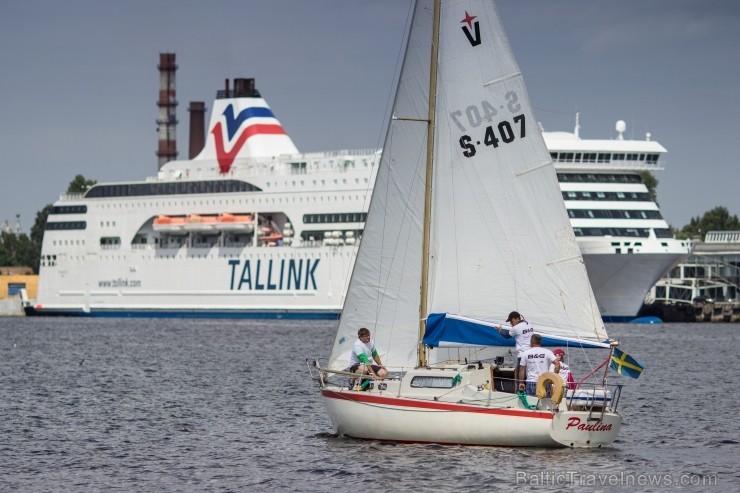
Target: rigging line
396	73
385	131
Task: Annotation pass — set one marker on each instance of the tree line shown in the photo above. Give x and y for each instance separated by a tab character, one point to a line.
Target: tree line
22	250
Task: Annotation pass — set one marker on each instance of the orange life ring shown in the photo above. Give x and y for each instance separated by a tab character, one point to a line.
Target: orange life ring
558	387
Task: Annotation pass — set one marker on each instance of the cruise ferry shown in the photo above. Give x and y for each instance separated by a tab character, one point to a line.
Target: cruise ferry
252	228
626	243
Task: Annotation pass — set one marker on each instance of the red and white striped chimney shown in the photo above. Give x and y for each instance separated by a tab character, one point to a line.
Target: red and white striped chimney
167	103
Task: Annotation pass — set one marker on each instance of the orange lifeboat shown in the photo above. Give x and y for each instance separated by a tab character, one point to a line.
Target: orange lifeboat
236	222
169	224
195	222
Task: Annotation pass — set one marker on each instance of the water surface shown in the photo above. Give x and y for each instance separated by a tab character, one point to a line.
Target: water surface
224	405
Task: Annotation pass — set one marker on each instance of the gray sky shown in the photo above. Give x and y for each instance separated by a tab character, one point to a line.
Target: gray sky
79	81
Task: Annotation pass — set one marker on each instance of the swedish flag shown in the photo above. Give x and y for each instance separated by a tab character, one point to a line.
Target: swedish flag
624	364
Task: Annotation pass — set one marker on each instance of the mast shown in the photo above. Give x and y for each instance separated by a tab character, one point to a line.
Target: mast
428	182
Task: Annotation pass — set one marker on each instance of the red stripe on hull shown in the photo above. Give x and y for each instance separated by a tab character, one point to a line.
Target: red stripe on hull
440	406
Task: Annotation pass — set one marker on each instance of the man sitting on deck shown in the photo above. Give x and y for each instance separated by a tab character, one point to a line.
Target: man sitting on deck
362	352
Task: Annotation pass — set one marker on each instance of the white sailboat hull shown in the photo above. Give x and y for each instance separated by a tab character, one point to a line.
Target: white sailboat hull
405	408
375	416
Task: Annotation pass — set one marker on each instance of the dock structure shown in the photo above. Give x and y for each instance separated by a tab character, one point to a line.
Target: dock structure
703	288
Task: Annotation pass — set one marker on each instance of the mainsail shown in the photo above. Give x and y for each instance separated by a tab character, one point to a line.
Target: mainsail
501	239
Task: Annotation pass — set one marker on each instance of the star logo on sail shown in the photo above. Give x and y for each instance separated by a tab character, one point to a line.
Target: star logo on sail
239	128
472	30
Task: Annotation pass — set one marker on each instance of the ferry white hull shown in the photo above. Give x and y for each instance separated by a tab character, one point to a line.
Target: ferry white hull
621	281
206	285
255	282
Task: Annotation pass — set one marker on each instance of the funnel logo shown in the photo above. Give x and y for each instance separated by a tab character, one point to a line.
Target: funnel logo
472	30
239	128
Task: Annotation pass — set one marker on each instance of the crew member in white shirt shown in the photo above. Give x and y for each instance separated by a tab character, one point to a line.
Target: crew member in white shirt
535	361
521	331
564	372
364	354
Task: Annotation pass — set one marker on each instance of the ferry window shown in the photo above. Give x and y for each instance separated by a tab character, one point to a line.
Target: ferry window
65	225
432	382
110	240
603	157
334	218
171	188
660	292
68	209
554	156
577	159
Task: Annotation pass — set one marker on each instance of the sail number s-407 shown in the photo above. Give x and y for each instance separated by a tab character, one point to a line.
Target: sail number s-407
501	133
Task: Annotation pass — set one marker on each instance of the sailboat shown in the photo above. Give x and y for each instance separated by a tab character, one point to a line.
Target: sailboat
466	223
